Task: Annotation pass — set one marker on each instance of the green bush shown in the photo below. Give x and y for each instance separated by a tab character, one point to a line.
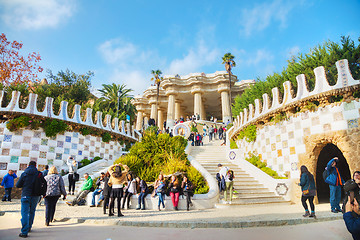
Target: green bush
84	131
18	123
53	127
233	144
249	133
85	162
96	158
161	153
255	160
194	128
106	137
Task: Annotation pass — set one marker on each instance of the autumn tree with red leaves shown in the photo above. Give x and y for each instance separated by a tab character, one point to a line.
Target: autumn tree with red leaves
15	68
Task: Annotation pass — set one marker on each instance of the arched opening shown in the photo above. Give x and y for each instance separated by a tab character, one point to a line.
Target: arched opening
326	154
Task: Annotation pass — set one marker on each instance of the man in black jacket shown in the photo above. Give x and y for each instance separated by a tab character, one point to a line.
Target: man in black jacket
28	200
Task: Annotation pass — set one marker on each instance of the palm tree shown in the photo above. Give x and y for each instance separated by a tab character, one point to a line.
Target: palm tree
157	80
228	60
115	100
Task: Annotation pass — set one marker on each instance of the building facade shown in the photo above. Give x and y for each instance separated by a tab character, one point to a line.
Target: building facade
200	94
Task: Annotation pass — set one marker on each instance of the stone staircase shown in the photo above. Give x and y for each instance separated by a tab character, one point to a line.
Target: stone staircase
249	190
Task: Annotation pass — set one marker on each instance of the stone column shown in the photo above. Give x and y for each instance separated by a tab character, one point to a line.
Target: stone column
160	118
170	111
178	110
153	111
146	119
139	120
197	103
202	111
225	106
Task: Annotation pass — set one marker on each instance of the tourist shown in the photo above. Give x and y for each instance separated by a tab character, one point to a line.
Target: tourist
192	138
204	129
175	188
308	189
221	130
211	132
352	219
73	166
220	176
335	182
100	183
85	189
46	170
55	188
224	138
8	184
142	189
106	191
229	177
181	119
117	179
197	139
187	188
129	190
28	200
159	190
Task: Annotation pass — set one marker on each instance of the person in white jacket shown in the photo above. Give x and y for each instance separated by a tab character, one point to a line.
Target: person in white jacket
73	167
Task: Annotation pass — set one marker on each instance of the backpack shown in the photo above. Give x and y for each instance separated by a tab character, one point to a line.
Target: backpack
117	172
230	173
39	186
197	137
325	174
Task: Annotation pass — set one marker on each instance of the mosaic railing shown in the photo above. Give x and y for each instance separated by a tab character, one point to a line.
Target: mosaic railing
123	129
322	86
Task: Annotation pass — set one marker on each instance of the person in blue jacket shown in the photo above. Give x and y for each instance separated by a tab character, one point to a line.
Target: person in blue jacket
335	183
8	184
352	218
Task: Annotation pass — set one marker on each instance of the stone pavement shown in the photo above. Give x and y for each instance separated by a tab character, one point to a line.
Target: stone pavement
234	217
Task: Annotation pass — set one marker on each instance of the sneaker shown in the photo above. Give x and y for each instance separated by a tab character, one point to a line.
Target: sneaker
306	214
92	205
159	208
143	208
69	203
23	235
137	208
334	211
120	215
312	215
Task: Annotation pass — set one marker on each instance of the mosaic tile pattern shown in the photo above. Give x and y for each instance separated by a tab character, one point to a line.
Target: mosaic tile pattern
3	166
7	138
14	159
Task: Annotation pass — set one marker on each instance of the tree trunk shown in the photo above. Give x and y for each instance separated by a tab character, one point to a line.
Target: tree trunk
229	72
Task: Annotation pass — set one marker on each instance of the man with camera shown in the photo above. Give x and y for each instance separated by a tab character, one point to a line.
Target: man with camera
352	209
335	182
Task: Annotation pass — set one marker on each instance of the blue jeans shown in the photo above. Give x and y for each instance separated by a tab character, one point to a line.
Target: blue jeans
141	199
335	197
97	192
7	195
161	199
28	207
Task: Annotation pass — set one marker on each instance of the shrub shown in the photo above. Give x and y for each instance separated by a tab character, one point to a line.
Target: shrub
255	160
84	131
233	144
53	127
249	133
85	162
106	137
18	123
161	153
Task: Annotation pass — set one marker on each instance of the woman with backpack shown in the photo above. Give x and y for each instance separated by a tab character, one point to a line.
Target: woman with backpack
308	189
159	190
175	188
116	181
229	177
130	190
55	187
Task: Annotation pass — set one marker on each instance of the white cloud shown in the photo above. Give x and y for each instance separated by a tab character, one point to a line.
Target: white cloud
260	56
293	51
196	58
262	15
35	14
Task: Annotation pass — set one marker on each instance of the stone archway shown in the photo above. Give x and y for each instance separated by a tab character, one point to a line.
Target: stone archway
347	142
328	152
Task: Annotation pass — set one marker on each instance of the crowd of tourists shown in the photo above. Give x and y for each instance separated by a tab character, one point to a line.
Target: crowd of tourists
212	132
118	186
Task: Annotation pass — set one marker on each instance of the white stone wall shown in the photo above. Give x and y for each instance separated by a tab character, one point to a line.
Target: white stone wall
280	144
21	147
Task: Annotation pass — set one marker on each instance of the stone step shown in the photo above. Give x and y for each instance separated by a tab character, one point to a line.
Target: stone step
235	203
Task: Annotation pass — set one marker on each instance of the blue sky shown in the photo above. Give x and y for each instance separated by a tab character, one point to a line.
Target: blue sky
122	41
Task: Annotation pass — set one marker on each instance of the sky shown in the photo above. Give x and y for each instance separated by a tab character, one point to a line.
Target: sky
122	41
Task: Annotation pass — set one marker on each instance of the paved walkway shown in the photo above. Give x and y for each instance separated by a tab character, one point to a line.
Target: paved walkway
234	217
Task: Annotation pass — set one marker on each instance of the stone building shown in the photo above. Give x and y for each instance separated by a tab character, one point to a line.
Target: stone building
206	95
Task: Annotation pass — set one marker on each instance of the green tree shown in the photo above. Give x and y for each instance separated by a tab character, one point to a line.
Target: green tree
157	80
228	60
115	100
326	54
65	86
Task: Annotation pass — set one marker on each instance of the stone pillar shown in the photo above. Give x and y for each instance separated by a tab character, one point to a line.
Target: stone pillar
153	111
160	118
178	110
202	111
146	120
197	103
225	106
170	111
139	120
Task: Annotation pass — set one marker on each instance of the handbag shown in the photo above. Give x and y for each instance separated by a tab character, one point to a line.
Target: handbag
305	192
76	177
